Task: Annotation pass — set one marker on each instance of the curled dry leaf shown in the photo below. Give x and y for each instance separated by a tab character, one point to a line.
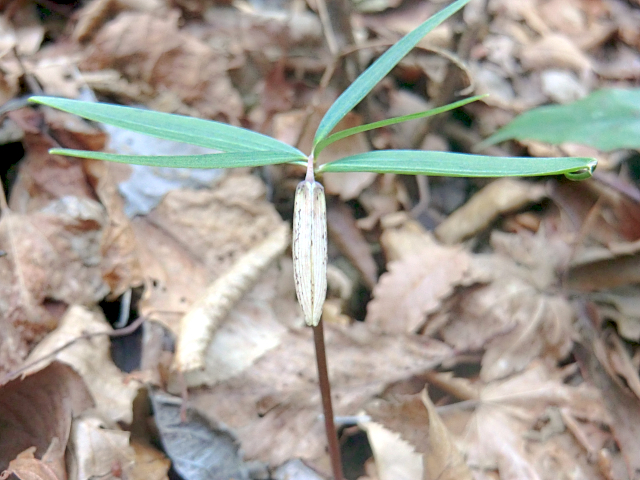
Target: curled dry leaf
344	232
499	197
43	177
36	412
120	264
99	448
416	421
395	458
624	409
91	358
482	301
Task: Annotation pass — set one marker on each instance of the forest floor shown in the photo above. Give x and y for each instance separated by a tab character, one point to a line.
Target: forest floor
476	329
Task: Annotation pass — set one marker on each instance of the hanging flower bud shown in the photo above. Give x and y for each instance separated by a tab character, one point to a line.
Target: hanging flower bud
310	249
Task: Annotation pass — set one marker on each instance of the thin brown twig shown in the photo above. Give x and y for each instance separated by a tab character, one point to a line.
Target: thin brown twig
122	332
329	34
4	207
327	408
315	102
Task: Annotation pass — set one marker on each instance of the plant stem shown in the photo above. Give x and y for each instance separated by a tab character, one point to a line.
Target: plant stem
327	408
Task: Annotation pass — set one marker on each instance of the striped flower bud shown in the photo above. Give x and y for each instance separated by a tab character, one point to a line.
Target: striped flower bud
310	249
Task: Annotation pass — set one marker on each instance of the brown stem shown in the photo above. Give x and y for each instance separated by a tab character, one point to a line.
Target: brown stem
327	408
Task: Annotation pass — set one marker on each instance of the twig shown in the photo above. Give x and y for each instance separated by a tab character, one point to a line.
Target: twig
327	408
4	207
329	34
122	332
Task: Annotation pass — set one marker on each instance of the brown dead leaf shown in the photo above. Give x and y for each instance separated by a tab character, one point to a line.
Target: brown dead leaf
23	31
555	51
121	268
152	49
194	237
149	463
43	177
403	237
415	286
500	304
349	239
94	13
199	325
273	406
98	448
508	317
499	197
27	467
622	306
394	457
38	409
622	407
515	431
53	259
416	420
91	358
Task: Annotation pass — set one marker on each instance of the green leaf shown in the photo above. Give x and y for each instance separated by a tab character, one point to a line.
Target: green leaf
195	131
606	120
377	71
417	162
392	121
214	160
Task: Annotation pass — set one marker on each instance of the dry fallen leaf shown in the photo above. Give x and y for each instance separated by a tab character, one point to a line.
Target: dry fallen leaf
27	467
499	197
415	419
349	239
254	327
415	287
198	326
197	449
395	458
509	317
99	448
149	463
273	406
515	428
53	259
194	237
152	49
36	410
91	359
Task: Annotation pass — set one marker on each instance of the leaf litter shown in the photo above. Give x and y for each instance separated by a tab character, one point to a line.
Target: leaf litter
500	341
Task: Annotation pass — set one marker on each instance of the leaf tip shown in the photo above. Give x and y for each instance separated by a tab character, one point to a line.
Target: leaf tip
584	172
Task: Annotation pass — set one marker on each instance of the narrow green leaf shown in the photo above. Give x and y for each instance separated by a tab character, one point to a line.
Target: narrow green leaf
377	71
392	121
214	160
606	120
416	162
195	131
